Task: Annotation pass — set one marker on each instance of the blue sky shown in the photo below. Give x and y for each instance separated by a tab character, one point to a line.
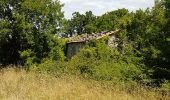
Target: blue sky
99	7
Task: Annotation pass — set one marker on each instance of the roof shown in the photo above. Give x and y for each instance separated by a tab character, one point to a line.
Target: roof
88	37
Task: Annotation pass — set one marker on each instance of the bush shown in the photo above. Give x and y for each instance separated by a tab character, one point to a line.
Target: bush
166	85
51	67
103	64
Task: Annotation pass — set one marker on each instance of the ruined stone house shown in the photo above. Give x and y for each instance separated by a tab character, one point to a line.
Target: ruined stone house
76	43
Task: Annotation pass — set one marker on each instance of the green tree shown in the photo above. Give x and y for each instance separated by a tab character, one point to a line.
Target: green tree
81	23
112	20
76	24
29	25
166	47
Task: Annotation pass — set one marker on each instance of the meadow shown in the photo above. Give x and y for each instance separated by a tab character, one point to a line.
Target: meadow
17	84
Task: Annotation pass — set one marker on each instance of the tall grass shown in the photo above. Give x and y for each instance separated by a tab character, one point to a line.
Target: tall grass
21	85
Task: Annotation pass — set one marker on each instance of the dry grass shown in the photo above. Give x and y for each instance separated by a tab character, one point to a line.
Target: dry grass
21	85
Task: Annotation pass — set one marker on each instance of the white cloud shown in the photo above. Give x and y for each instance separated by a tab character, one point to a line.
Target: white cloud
99	7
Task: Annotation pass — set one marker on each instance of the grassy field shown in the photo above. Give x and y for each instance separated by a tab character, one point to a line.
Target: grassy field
22	85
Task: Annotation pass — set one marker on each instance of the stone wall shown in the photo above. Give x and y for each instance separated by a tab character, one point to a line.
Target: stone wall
113	42
73	48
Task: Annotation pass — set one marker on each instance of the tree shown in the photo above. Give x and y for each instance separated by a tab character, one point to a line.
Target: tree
90	21
111	20
165	44
28	25
76	24
81	23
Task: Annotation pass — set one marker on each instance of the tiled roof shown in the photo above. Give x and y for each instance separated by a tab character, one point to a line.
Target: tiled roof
88	37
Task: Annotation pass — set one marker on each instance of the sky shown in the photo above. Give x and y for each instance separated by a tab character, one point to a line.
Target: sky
99	7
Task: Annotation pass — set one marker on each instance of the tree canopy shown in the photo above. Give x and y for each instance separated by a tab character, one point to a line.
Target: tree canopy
29	26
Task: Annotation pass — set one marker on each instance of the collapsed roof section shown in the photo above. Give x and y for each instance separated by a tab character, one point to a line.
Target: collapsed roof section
88	37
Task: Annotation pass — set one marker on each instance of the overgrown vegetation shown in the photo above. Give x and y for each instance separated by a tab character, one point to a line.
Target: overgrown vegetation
30	31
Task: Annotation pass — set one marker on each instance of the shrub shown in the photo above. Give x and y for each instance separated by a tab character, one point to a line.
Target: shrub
51	67
103	64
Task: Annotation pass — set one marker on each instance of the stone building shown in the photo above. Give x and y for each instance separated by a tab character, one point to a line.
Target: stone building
78	42
73	47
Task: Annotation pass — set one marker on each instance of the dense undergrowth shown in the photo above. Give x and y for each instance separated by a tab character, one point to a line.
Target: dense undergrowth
103	64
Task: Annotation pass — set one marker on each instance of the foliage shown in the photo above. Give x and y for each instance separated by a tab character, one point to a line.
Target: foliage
104	64
80	23
166	86
29	26
51	67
